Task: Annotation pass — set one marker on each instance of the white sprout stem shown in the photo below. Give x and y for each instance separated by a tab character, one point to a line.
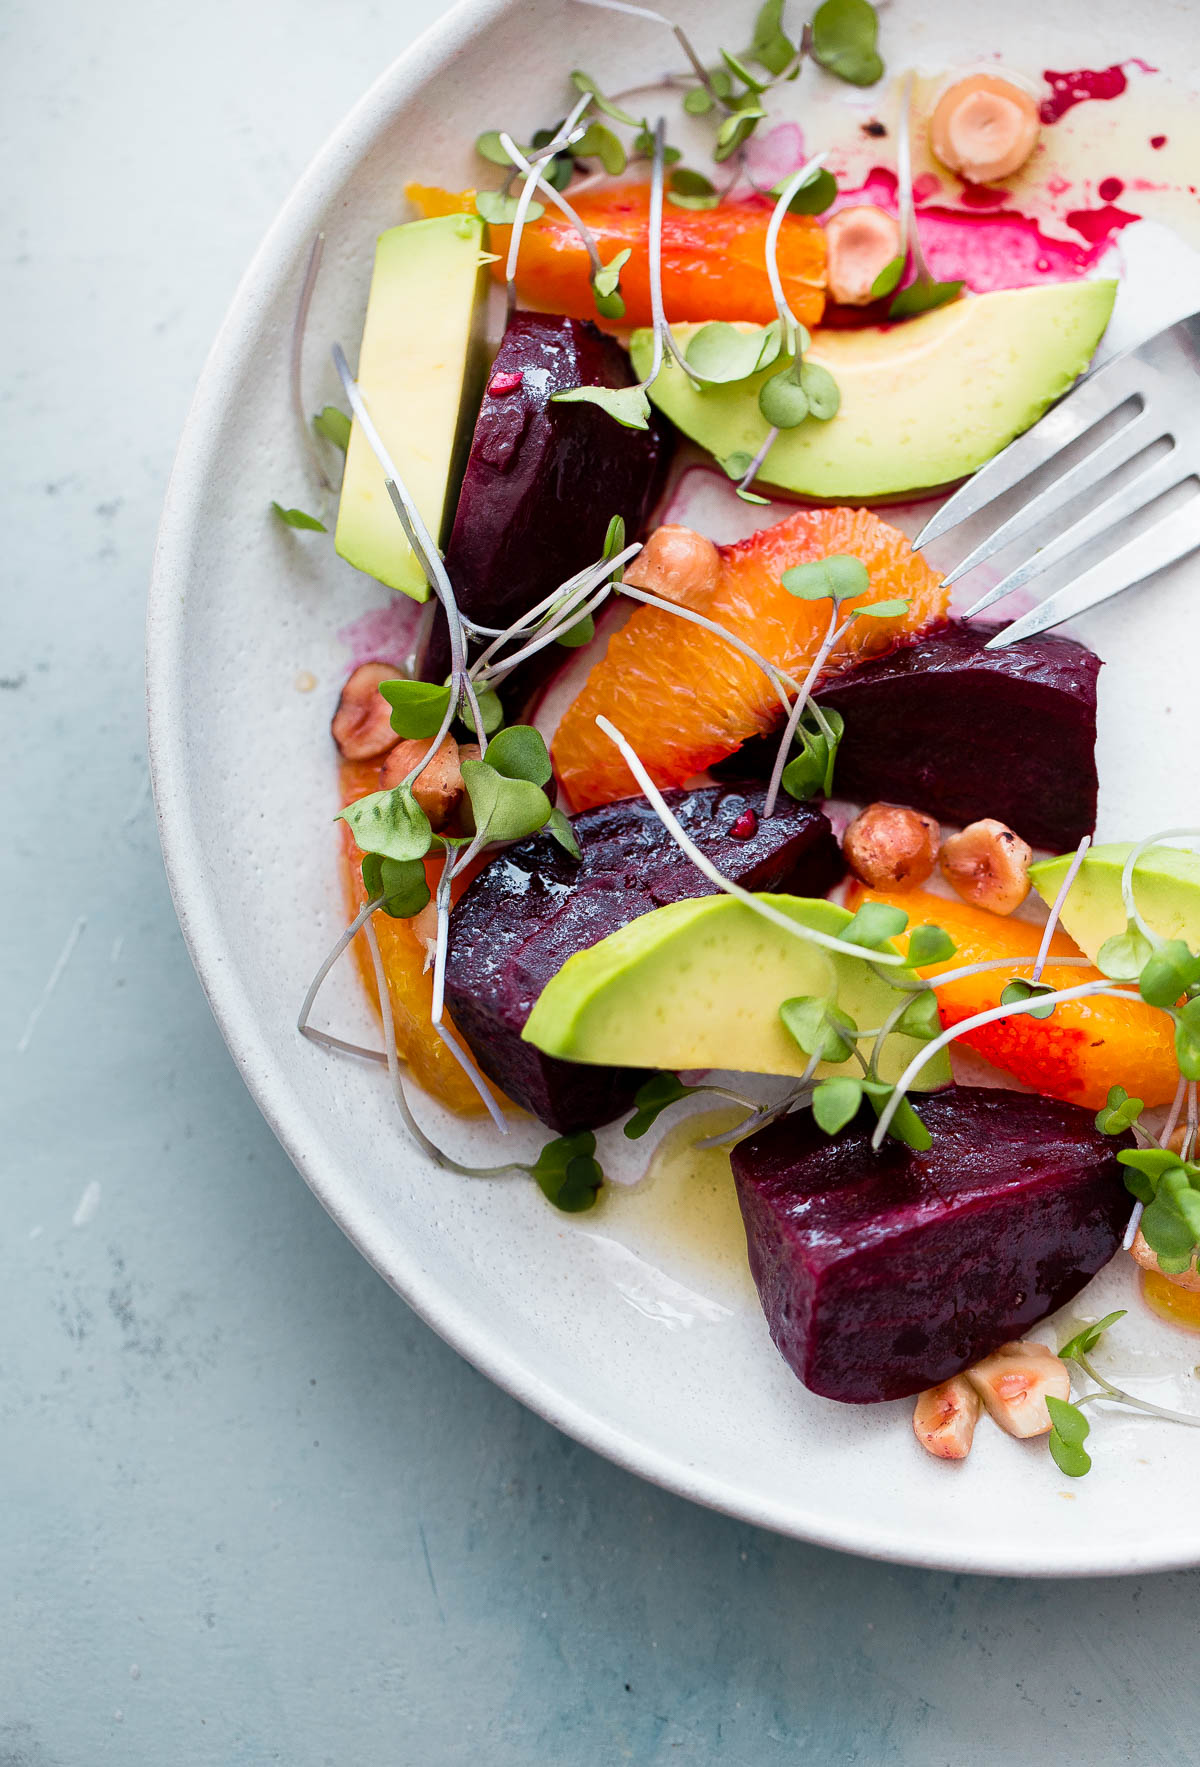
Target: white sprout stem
1120	1397
442	905
658	316
1175	1112
295	364
551	605
1135	1221
328	1041
677	32
1057	908
789	321
1009	963
573	608
760	459
1082	991
910	239
1193	1122
418	536
778	680
797	712
546	189
360	919
705	865
1127	870
500	671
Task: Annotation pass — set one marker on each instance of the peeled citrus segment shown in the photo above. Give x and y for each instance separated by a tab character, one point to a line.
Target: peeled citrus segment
1087	1046
685	698
432	200
410	986
714	262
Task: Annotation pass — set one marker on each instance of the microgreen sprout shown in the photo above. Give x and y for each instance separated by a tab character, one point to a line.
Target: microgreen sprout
296	365
298	518
333	426
844	34
652	1098
925	292
1070	1428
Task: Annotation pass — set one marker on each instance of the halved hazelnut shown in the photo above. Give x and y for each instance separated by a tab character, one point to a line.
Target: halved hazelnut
984	127
677	563
362	724
438	788
988	864
890	847
860	242
1142	1254
945	1417
1014	1382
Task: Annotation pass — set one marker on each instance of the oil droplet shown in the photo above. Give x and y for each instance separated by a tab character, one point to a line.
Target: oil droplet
305	681
1180	1305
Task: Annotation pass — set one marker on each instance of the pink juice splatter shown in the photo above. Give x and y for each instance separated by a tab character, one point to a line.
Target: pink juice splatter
1083	83
384	634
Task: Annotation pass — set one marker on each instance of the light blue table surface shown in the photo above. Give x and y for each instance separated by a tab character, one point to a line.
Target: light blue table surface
251	1509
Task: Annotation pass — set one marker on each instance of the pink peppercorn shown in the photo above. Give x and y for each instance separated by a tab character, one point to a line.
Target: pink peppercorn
746	826
506	382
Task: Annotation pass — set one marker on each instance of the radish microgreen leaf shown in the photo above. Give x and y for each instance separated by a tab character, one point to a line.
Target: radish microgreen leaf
1168	973
1124	955
923	296
418	707
929	944
820	1027
401	883
772	48
652	1098
334	426
500	210
1021	989
584	83
1070	1429
559	826
297	518
844	34
838	578
520	753
1085	1341
628	405
874	924
888	279
836	1102
503	809
1119	1112
567	1172
814	197
390	823
600	143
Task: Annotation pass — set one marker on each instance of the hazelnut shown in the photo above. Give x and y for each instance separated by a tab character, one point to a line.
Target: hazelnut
424	925
1141	1254
677	563
988	865
1014	1382
362	724
891	848
439	787
945	1417
984	127
860	242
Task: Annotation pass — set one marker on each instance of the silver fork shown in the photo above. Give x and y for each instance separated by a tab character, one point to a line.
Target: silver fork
1162	377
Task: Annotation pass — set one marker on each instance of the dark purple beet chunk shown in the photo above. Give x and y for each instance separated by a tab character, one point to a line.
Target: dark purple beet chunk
534	906
945	725
884	1273
543	481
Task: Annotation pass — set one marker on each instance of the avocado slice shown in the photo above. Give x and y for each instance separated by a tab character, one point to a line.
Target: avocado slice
923	403
1166	884
698	984
421	370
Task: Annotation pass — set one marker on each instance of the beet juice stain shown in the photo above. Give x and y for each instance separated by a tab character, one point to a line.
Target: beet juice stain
1069	89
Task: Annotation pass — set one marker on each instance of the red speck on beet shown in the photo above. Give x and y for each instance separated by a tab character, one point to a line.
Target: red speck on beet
1157	141
746	826
1069	89
1110	189
505	383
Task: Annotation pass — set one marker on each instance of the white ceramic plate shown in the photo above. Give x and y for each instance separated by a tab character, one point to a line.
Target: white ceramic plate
626	1328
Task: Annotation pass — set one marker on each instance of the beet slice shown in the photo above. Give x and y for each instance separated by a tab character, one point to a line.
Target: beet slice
542	482
884	1273
534	906
945	725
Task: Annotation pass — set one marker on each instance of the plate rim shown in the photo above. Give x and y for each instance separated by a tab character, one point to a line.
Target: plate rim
266	1080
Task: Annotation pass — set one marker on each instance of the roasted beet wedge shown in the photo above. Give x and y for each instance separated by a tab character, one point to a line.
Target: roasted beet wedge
943	724
884	1273
543	481
534	906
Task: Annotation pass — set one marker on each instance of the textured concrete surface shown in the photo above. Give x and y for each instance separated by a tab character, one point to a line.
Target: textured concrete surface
250	1509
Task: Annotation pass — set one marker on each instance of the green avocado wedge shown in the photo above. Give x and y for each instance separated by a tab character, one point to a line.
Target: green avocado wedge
699	984
1166	888
923	403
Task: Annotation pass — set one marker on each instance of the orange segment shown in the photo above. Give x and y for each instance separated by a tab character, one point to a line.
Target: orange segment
432	200
410	987
685	698
1086	1047
713	260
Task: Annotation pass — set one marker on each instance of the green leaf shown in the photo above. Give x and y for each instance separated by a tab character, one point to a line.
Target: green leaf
582	632
599	143
783	401
771	47
1119	1113
929	944
584	83
820	1027
697	102
501	211
804	776
1168	973
296	518
491	712
628	405
614	542
874	924
389	822
1018	990
519	753
559	825
505	809
838	578
835	1103
906	1125
1123	956
814	196
418	707
821	390
334	425
488	147
741	72
607	279
1168	1233
401	882
1070	1429
884	610
843	41
643	146
1152	1161
693	202
921	1017
568	1173
923	296
724	353
1086	1340
888	278
1187	1040
736	130
652	1098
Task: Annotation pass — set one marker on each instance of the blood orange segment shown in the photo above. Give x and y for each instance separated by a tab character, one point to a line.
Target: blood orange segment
1078	1054
685	698
410	985
714	262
